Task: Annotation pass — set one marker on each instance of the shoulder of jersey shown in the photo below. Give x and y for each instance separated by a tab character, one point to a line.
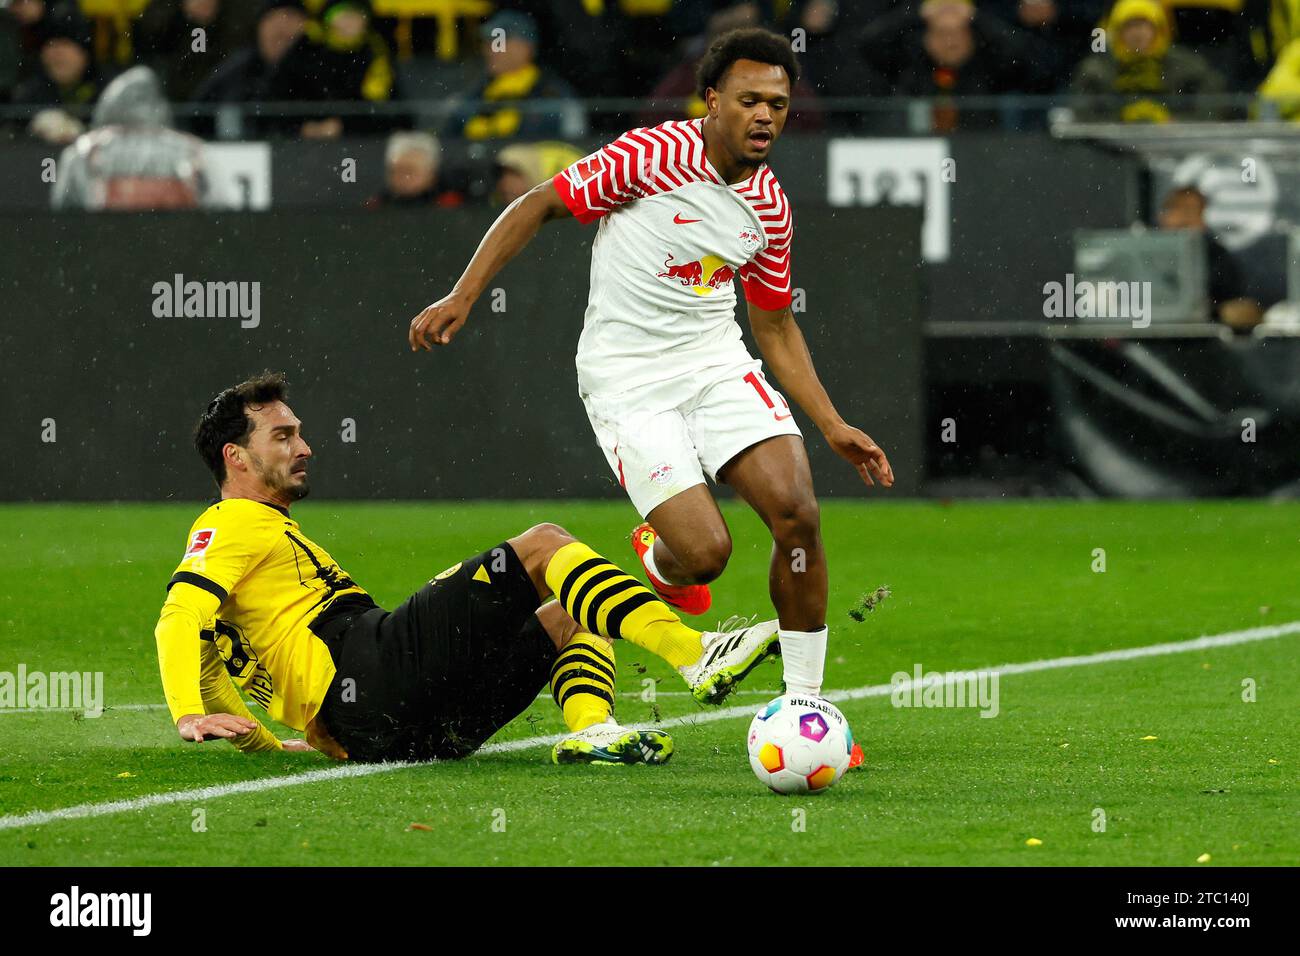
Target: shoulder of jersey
667	156
676	149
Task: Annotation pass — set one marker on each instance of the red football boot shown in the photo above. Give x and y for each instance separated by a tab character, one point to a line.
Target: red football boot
688	598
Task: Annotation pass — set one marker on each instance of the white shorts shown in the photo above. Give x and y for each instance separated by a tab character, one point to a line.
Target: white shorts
665	437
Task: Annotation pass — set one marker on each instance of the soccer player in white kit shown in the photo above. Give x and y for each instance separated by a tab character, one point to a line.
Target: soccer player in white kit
672	393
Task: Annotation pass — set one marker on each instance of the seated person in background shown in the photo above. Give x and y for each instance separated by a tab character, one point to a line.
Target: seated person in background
831	64
1057	32
1220	31
521	166
246	75
67	74
411	166
1184	208
165	39
1143	77
947	48
681	82
131	159
342	58
490	109
20	42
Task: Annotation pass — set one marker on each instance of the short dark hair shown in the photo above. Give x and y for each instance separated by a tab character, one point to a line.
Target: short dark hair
226	419
746	43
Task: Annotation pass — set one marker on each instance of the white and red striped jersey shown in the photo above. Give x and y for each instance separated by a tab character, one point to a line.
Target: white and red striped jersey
672	236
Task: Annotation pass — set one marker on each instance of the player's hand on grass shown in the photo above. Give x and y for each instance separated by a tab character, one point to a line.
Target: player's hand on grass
294	745
199	727
856	447
439	322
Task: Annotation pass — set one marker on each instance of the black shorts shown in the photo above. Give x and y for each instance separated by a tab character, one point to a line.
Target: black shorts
444	671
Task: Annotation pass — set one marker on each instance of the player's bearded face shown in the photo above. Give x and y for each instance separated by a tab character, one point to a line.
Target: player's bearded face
277	453
282	478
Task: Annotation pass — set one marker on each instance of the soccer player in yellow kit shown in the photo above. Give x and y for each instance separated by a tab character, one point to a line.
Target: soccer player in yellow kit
256	605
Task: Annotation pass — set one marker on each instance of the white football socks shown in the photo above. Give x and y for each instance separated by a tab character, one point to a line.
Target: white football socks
649	562
803	654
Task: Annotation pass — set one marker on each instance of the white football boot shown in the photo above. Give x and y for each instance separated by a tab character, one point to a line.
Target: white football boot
732	651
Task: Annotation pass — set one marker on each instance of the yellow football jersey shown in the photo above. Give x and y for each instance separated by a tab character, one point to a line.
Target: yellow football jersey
245	591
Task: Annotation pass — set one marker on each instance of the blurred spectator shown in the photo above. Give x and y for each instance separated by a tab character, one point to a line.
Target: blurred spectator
1271	25
831	62
521	166
246	75
131	159
412	162
67	75
1058	32
165	37
947	48
681	83
490	110
1282	85
606	48
341	59
20	42
1218	30
1184	208
621	48
1143	77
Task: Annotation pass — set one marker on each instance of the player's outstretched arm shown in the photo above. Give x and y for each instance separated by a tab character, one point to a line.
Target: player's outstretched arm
513	230
783	348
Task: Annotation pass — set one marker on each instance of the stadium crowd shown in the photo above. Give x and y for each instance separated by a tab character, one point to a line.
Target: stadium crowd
1129	60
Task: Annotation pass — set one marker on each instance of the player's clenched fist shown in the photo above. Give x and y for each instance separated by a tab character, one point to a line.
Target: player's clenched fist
856	446
439	322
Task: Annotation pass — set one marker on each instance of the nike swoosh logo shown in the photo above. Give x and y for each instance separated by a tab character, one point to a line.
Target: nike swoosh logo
780	418
681	222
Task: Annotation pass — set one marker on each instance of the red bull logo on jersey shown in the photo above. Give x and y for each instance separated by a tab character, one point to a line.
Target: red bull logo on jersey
703	276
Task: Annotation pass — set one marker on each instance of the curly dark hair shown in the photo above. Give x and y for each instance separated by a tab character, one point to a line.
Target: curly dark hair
746	43
226	420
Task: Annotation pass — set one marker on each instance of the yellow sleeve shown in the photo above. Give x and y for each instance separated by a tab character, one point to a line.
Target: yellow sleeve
187	609
194	678
220	696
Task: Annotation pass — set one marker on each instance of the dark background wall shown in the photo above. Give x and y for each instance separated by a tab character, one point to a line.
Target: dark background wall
496	415
1016	202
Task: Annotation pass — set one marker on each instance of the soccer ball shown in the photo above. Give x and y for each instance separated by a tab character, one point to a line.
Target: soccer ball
799	744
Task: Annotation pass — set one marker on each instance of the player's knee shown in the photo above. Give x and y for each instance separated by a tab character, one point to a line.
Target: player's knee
707	561
536	545
548	534
797	521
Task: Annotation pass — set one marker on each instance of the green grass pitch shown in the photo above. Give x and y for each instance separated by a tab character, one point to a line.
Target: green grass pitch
974	585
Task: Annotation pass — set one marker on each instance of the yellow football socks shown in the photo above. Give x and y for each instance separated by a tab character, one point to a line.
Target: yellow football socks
607	601
582	681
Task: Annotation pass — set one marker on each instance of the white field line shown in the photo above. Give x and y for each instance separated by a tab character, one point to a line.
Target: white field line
88	810
542	696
